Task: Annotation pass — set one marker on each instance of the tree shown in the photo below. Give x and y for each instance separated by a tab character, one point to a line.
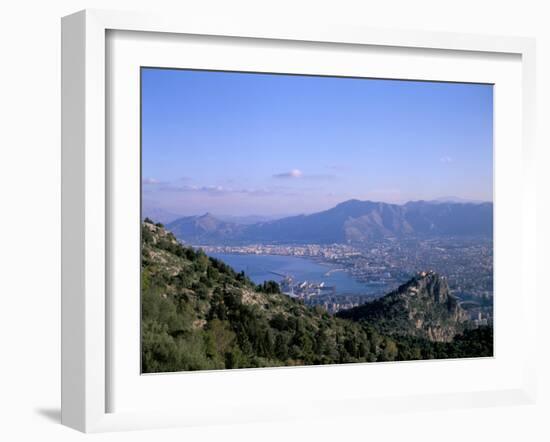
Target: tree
390	350
281	347
222	336
269	287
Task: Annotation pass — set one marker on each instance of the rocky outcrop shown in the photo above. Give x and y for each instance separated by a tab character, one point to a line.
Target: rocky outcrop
423	307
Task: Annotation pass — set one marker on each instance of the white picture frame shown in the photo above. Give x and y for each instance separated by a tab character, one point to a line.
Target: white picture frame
86	352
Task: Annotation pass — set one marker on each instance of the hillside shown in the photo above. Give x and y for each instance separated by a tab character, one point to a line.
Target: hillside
423	307
198	313
352	220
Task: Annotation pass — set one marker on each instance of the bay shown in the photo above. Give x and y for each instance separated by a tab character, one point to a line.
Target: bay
261	268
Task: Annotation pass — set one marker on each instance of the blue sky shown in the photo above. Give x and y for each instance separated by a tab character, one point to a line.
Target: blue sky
242	144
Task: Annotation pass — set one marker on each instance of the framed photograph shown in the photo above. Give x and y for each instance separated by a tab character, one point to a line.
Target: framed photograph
264	222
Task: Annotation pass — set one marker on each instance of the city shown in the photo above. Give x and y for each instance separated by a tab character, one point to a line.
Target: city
386	263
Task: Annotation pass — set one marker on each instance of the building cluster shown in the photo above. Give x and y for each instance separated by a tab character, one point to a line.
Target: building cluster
324	251
385	264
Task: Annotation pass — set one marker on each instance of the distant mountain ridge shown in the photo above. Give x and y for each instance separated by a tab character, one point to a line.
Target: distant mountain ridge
349	221
204	229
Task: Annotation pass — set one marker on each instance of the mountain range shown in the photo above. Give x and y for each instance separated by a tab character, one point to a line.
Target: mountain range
348	222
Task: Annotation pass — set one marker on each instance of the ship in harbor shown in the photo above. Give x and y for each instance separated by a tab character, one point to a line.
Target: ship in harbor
303	289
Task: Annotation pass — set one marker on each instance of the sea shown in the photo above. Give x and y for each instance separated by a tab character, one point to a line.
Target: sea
261	268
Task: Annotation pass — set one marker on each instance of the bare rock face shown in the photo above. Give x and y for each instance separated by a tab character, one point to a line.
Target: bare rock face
422	307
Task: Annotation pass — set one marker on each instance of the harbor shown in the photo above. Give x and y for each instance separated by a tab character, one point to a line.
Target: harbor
298	277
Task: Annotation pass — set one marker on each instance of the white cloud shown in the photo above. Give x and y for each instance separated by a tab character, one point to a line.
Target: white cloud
446	159
294	173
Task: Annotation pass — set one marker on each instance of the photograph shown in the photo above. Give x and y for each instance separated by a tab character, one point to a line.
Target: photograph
303	220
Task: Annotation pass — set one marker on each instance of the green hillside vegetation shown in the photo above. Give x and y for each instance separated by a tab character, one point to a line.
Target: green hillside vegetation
422	307
199	314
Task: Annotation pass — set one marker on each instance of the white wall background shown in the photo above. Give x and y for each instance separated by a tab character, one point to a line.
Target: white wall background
30	215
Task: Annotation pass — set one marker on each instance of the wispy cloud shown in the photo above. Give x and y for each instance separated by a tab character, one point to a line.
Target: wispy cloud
446	160
212	190
151	181
294	173
191	188
298	174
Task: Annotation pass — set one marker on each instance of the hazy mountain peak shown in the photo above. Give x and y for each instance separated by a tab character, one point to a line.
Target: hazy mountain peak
354	202
350	202
208	215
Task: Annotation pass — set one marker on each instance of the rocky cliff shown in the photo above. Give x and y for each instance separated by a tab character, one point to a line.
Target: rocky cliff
423	307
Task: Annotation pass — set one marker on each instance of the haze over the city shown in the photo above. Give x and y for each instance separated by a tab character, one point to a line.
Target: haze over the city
274	145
